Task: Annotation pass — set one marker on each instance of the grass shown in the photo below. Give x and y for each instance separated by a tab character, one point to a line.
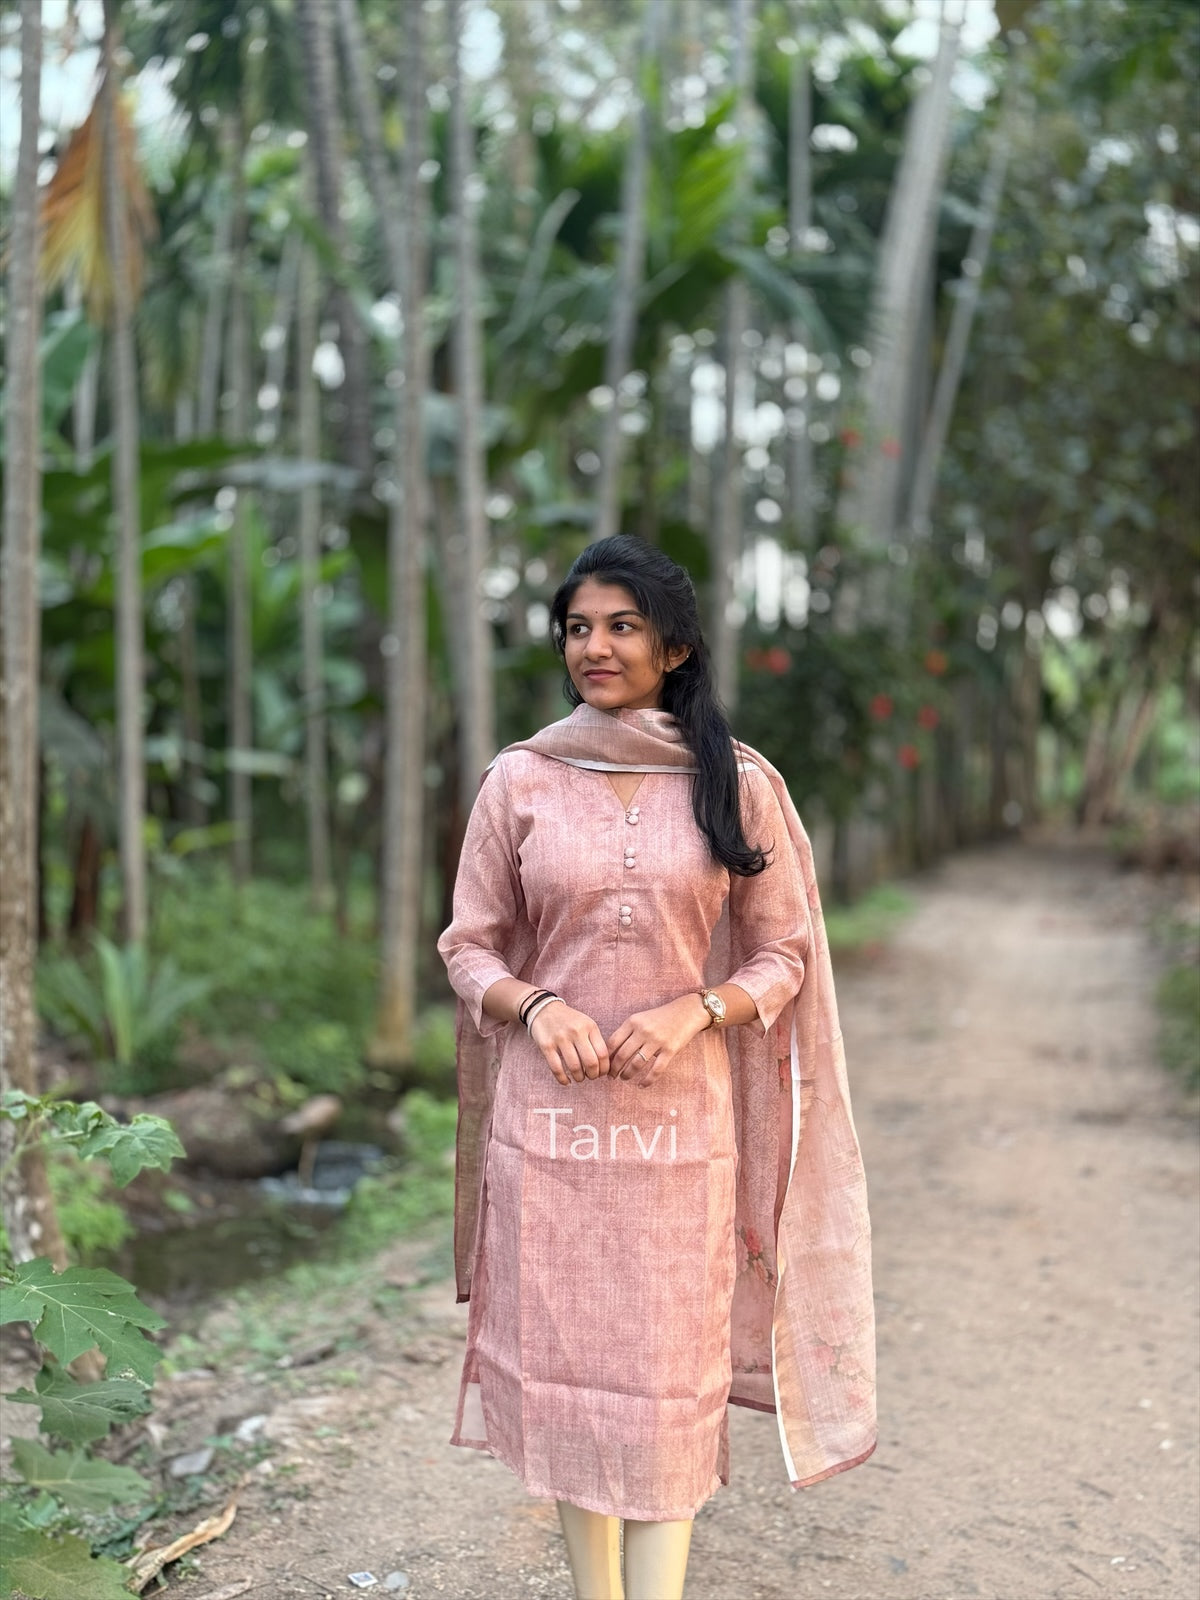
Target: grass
871	920
1178	1000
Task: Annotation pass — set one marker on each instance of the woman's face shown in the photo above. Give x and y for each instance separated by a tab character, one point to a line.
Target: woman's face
611	653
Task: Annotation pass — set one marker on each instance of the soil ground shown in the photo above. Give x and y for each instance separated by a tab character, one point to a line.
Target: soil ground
1034	1184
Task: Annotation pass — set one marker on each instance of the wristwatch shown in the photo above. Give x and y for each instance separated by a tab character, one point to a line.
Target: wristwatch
715	1006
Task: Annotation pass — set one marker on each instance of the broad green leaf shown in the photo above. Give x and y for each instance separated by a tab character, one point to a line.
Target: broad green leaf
43	1568
77	1479
84	1306
129	1147
81	1412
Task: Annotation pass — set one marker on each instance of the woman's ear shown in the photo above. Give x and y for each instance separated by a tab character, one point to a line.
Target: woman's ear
677	658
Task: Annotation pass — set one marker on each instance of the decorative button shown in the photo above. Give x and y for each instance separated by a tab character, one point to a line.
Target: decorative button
631	817
627	922
630	861
626	911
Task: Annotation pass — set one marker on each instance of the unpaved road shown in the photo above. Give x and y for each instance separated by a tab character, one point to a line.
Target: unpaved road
1034	1187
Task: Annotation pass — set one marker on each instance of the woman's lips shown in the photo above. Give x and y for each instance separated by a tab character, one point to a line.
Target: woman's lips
600	672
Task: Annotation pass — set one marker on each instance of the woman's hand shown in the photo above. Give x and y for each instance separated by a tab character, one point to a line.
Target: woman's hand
571	1043
647	1042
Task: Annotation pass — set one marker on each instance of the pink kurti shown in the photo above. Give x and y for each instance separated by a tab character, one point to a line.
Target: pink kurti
598	1363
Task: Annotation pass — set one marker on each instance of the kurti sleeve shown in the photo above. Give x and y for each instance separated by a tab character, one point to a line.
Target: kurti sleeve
768	913
487	901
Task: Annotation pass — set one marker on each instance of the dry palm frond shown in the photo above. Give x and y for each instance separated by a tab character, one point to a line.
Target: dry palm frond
73	212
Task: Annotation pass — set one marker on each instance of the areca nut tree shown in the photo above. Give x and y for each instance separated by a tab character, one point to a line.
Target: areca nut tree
405	639
473	657
26	1203
630	273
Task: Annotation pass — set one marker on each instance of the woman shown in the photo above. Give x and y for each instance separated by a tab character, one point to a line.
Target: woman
646	1225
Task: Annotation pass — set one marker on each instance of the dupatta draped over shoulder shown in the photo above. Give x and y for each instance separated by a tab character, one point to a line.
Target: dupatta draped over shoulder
802	1327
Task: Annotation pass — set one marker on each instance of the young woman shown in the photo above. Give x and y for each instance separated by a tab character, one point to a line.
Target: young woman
661	1205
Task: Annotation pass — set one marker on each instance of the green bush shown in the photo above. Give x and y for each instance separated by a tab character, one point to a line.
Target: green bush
1179	1022
417	1192
279	975
92	1221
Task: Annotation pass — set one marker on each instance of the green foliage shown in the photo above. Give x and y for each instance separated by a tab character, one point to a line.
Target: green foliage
82	1412
122	1009
419	1191
435	1051
72	1312
1178	999
35	1565
79	1309
77	1480
90	1219
869	921
284	987
89	1131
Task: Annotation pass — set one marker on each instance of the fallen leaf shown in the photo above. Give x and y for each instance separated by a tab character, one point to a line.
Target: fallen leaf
151	1562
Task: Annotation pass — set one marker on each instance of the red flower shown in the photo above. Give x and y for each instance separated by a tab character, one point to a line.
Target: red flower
891	449
927	717
851	438
936	662
777	660
908	756
753	1242
882	707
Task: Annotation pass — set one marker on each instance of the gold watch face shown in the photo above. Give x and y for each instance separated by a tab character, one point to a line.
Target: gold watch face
715	1006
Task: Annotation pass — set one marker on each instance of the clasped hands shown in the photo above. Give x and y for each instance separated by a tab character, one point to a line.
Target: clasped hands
638	1051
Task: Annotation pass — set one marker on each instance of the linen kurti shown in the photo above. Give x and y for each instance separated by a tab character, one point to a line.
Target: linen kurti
598	1360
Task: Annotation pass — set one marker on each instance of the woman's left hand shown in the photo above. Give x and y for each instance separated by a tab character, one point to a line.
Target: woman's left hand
647	1042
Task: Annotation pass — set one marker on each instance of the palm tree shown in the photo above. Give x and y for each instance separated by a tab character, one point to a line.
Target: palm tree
473	658
870	504
315	738
239	622
799	224
727	522
131	768
966	304
315	27
631	266
404	774
26	1204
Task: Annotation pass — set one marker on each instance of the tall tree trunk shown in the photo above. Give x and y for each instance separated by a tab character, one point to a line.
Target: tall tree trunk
315	25
131	767
869	505
287	288
627	285
241	650
364	97
962	318
473	656
800	498
87	387
209	387
727	523
520	63
26	1204
315	738
404	778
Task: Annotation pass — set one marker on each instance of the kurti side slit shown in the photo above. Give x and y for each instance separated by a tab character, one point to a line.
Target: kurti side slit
598	1353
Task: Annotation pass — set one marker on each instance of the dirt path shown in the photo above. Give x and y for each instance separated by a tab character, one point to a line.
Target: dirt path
1034	1190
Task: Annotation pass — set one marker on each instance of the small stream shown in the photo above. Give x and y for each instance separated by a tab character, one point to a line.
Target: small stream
244	1231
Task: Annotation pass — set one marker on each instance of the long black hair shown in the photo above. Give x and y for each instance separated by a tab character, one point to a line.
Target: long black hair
667	600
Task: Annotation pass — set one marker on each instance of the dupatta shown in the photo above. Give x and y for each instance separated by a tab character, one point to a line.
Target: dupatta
803	1326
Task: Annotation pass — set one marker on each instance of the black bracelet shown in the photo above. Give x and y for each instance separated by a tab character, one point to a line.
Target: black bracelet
529	1001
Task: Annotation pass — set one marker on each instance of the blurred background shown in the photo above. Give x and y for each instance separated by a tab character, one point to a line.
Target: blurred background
336	328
